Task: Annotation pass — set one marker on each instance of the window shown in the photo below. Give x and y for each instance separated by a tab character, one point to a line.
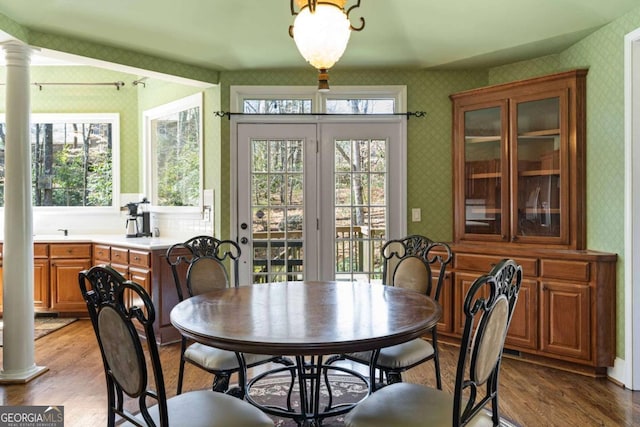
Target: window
173	139
73	159
307	100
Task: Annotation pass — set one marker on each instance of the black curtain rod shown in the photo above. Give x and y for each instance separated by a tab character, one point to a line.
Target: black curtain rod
118	85
408	114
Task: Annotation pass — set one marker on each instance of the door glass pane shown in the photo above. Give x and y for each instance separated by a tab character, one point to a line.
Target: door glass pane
360	208
539	168
483	183
277	209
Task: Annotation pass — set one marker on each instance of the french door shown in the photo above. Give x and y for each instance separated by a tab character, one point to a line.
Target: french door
316	200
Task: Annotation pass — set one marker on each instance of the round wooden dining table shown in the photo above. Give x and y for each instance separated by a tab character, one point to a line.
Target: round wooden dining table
301	319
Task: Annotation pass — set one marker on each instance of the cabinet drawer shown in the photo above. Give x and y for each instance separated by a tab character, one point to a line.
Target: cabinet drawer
484	263
568	270
40	250
70	250
102	253
139	258
120	256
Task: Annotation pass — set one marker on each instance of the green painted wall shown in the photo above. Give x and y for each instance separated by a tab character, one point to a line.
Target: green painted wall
429	178
603	54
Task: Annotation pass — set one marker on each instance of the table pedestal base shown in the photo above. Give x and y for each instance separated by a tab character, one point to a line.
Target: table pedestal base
310	374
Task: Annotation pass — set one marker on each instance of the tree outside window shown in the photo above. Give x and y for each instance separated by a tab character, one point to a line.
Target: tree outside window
174	139
71	159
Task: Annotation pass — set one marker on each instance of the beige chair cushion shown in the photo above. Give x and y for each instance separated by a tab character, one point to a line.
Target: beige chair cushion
217	359
488	349
398	356
207	408
408	405
411	273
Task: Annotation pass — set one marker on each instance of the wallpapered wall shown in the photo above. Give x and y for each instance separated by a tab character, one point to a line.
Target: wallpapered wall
603	54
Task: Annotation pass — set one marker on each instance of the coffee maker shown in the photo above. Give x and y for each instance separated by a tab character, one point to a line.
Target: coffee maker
138	210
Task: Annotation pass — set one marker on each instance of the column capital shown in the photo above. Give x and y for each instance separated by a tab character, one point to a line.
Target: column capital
17	53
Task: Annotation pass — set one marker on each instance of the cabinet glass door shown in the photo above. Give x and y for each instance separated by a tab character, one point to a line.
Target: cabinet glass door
538	189
484	172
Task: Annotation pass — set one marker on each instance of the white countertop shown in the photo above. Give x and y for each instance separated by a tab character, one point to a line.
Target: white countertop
150	243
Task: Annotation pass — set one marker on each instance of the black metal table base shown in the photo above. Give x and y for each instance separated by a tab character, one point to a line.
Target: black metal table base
309	373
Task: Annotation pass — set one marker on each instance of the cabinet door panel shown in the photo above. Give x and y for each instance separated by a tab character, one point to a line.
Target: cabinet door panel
463	284
540	165
41	283
480	156
565	322
523	330
65	291
446	294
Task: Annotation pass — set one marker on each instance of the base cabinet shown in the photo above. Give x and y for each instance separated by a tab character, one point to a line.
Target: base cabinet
149	269
566	305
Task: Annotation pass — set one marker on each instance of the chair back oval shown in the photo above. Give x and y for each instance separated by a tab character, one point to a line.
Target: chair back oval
489	339
122	351
412	273
206	274
411	262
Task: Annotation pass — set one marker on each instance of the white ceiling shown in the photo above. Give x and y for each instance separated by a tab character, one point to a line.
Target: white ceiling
253	34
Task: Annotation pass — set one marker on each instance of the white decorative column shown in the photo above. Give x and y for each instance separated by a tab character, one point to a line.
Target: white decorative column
18	347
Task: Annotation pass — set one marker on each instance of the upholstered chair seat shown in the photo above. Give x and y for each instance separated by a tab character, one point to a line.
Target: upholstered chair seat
205	408
398	356
216	358
410	405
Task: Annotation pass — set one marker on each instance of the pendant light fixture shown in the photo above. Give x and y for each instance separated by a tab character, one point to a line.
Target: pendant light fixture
321	31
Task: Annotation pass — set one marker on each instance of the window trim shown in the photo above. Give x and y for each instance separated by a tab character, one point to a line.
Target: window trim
114	120
149	165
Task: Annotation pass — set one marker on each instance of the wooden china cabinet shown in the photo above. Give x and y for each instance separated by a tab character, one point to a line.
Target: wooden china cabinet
519	192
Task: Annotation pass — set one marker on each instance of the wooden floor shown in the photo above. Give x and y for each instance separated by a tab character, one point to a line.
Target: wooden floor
530	395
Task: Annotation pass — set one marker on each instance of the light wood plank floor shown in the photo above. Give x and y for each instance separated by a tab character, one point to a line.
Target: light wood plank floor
530	395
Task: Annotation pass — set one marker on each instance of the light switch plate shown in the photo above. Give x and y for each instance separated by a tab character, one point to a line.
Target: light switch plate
416	214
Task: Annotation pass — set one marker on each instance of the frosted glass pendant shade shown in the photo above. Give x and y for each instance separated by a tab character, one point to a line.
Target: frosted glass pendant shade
322	36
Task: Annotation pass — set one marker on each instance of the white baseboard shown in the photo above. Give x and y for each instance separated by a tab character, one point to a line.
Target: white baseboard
618	372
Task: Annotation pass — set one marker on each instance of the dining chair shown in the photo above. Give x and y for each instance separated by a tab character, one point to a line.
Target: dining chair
117	307
410	262
198	266
488	307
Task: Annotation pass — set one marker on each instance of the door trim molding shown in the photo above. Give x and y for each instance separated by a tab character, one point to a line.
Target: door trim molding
631	371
